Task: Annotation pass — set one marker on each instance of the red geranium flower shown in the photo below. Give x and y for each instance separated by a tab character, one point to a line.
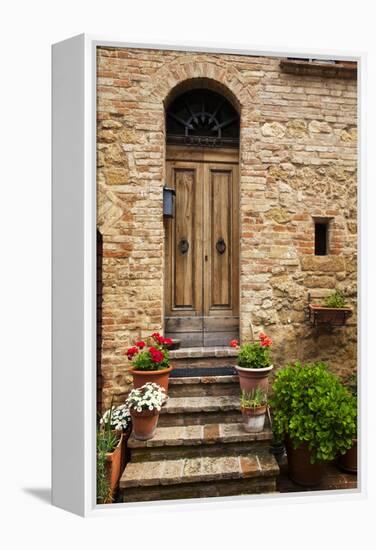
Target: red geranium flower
156	355
157	337
131	352
234	343
167	341
265	341
140	344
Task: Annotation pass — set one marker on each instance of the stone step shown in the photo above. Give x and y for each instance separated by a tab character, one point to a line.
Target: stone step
201	386
185	411
203	357
191	441
199	477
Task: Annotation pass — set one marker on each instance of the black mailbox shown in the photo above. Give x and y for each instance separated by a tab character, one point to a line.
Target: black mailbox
168	202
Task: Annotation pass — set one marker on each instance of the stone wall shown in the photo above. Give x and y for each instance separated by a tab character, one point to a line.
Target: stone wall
298	159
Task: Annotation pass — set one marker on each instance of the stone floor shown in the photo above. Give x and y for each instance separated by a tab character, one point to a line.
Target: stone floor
334	478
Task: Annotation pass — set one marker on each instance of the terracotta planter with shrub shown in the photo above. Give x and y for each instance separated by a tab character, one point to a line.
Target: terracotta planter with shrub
254	364
114	461
300	469
303	413
250	379
144	423
349	461
150	361
160	377
253	418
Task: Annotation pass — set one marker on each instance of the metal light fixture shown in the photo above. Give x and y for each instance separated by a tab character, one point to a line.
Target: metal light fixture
168	202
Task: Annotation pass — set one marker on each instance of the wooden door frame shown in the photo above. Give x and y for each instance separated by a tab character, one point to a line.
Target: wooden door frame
202	154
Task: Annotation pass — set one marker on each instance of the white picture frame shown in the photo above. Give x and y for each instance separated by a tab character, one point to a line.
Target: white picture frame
74	276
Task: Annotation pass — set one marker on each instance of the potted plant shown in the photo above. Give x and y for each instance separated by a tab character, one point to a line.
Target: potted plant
313	412
108	464
113	432
144	405
253	406
349	460
119	419
333	312
150	361
254	364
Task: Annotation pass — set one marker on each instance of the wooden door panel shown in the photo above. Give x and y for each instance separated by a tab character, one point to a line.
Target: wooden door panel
183	243
184	324
219	338
221	241
220	186
220	324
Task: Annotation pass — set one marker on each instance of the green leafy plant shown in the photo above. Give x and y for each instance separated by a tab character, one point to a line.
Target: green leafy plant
311	405
336	300
254	355
253	399
107	441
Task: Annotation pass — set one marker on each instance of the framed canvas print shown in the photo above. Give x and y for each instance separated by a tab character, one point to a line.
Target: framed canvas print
206	274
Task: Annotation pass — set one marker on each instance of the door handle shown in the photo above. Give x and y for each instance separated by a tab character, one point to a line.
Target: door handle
221	246
183	246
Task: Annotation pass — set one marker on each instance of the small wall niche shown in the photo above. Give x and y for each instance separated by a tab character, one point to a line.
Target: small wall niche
322	236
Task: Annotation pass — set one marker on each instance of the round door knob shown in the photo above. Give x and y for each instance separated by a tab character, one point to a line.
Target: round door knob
221	246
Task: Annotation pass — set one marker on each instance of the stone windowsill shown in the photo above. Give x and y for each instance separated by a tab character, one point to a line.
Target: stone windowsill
303	67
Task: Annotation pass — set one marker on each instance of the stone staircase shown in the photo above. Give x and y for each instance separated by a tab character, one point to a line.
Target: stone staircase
200	448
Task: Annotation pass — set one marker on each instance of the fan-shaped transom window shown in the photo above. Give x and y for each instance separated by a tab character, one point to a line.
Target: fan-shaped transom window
204	118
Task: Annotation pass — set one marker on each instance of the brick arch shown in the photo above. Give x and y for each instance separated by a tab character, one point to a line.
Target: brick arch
225	79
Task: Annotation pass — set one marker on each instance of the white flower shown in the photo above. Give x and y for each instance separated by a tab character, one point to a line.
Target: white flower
117	417
149	396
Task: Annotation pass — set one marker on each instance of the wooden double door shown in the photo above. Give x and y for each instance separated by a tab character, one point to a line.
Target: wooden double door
202	247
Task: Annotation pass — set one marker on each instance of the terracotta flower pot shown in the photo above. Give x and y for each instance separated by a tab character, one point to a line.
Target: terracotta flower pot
175	344
349	461
328	315
254	418
144	423
300	469
160	377
250	379
114	465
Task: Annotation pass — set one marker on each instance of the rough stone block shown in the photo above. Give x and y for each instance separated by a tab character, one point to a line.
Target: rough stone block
323	263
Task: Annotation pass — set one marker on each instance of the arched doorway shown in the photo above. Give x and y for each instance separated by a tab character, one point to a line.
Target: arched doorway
202	239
